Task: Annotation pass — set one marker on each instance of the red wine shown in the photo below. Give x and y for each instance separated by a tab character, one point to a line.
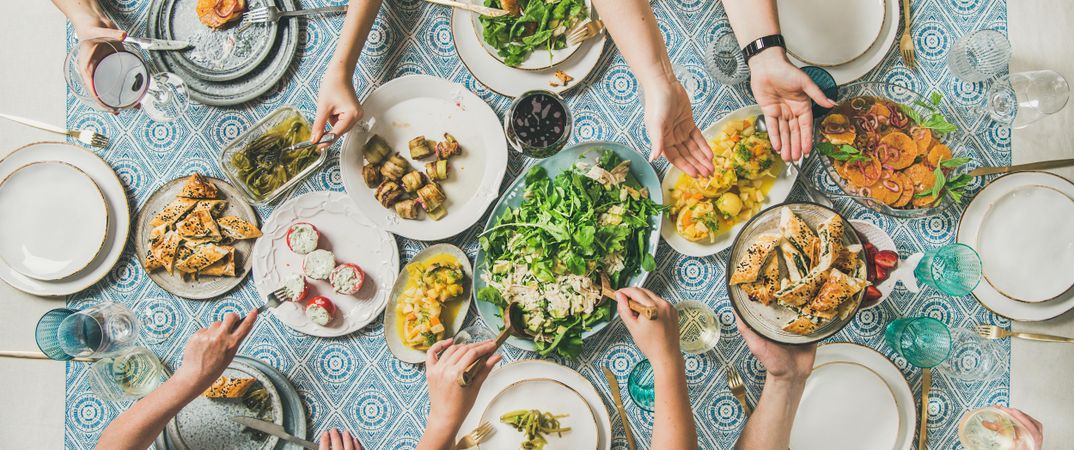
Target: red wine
538	124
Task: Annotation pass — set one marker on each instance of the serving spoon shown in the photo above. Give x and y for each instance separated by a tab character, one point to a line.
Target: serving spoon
512	326
606	291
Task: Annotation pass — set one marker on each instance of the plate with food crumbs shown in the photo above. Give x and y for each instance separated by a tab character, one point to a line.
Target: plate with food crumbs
539	413
242	390
533	34
224	45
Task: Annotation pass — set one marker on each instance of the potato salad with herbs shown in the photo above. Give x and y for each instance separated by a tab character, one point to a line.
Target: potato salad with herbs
547	253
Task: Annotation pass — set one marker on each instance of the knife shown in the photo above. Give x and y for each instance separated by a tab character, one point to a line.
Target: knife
614	385
273	429
1042	165
157	44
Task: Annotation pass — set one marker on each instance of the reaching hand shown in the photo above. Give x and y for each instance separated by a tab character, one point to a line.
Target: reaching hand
657	339
210	350
337	105
670	123
1035	428
449	403
793	362
786	96
334	441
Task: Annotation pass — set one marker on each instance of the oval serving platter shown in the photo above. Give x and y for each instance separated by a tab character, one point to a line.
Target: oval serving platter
391	328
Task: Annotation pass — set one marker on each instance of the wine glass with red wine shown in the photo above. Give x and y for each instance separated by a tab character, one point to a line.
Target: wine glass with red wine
112	76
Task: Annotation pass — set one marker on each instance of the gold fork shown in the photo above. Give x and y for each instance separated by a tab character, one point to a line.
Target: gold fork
479	435
906	43
587	30
738	389
994	332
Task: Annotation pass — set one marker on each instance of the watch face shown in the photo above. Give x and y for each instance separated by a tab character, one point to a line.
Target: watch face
120	79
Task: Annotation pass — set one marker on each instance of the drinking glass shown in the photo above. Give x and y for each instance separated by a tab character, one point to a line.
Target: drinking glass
699	331
992	428
973	358
1022	98
538	124
97	330
724	61
641	385
826	82
130	374
979	56
45	333
689	80
111	75
473	334
924	342
953	269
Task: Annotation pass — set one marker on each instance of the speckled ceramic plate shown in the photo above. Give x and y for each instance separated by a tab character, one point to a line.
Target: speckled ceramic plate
215	54
206	422
204	287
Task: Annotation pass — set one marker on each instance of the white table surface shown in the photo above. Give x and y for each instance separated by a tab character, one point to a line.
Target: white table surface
31	85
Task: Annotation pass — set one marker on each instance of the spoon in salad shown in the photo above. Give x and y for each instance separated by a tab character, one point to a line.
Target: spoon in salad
606	291
513	325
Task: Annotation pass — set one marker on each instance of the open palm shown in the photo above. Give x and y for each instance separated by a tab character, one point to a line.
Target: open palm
670	123
786	95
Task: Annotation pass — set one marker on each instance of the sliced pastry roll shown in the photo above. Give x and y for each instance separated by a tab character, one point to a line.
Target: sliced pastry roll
225	387
796	262
800	292
197	187
214	207
764	289
848	260
199	224
837	288
173	212
802	325
798	234
830	235
225	267
237	229
204	257
749	267
162	254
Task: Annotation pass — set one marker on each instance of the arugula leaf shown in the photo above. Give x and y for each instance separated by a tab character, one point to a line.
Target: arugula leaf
515	38
842	153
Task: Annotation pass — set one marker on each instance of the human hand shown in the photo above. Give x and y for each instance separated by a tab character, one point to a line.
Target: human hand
211	349
332	440
449	403
1035	428
337	105
674	135
786	95
658	339
784	362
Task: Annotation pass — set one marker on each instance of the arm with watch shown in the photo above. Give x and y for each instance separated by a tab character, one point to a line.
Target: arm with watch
784	93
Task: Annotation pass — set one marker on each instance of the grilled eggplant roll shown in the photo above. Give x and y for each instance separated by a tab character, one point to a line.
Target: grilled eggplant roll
371	175
431	196
448	148
395	167
420	148
437	170
412	181
388	193
407	209
376	150
437	213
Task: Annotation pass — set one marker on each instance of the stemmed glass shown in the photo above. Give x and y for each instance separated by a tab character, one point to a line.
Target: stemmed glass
1020	99
111	76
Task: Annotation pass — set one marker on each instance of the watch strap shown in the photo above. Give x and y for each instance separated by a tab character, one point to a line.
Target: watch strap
761	44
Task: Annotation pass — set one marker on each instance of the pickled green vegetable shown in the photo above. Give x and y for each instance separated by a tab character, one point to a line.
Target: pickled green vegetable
265	163
535	425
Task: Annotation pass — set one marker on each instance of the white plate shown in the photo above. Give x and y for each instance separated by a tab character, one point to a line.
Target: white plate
352	238
513	82
538	59
54	220
897	385
544	395
118	211
414	105
848	406
391	334
808	28
873	56
969	230
206	422
904	272
1026	243
778	194
528	369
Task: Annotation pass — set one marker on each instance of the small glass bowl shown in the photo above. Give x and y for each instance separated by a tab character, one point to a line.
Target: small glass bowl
274	118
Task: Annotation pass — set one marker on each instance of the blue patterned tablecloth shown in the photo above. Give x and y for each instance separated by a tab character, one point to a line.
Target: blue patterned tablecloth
354	382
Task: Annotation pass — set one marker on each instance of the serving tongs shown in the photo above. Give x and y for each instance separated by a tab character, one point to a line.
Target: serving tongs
328	138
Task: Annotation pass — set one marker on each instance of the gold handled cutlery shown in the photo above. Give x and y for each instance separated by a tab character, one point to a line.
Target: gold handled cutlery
1042	165
906	42
994	332
926	384
475	437
738	389
88	137
483	10
613	384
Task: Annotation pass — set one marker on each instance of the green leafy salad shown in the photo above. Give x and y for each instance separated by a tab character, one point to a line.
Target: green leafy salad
547	254
531	25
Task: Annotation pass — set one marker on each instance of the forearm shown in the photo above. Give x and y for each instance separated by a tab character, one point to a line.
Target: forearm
769	427
674	420
439	435
81	13
632	25
752	19
138	426
360	17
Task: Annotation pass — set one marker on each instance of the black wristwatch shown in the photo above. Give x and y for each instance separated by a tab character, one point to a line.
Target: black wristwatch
761	44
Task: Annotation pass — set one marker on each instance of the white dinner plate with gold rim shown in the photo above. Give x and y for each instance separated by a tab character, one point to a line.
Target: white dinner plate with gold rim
53	218
527	369
969	233
845	406
538	59
778	194
872	57
102	174
905	403
512	82
423	105
548	396
351	237
830	32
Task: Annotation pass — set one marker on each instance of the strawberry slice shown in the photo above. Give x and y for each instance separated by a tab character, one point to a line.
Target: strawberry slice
886	259
881	274
872	294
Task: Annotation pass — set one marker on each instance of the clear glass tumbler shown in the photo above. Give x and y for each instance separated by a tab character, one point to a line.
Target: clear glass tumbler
979	56
98	330
1022	98
724	61
130	374
924	342
699	331
973	358
953	269
473	334
992	428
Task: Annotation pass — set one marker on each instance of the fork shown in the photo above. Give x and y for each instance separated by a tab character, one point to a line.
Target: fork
274	300
88	137
738	389
994	332
906	43
479	435
587	30
268	14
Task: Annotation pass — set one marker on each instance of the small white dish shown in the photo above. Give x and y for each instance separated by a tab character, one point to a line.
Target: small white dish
808	26
778	194
545	395
423	105
904	272
461	303
539	59
859	66
54	220
527	369
845	406
1026	243
351	237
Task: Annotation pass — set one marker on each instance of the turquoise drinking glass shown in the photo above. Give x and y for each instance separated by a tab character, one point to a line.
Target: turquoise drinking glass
641	385
45	333
924	342
952	269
